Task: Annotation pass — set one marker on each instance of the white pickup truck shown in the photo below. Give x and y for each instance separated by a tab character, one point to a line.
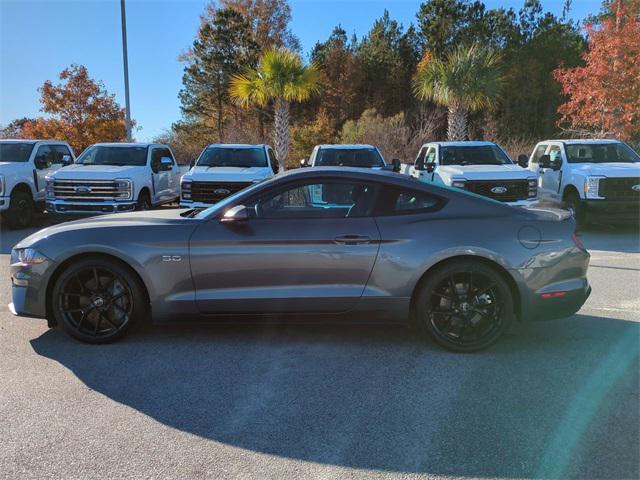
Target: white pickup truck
24	166
355	155
223	169
592	178
479	167
115	177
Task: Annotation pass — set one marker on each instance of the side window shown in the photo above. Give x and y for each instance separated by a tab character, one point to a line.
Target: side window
328	199
554	153
59	152
538	153
431	155
44	157
402	201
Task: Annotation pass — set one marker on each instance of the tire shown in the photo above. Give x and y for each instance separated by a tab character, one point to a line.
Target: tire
574	204
457	320
102	310
21	210
144	201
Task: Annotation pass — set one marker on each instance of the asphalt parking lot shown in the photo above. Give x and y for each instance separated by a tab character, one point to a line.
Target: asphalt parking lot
557	399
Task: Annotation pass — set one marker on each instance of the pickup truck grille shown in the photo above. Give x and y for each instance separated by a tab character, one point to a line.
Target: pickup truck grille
87	190
619	188
212	192
515	189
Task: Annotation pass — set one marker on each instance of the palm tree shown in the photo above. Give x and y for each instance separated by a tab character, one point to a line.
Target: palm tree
467	80
281	77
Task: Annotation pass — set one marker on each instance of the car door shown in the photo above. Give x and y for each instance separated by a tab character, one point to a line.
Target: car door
292	255
45	162
549	183
159	176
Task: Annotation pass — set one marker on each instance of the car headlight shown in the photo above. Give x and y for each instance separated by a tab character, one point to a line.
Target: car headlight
458	182
592	187
533	188
27	256
185	187
49	188
124	188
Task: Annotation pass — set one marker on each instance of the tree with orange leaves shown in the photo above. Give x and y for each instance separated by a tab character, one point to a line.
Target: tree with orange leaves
604	95
81	111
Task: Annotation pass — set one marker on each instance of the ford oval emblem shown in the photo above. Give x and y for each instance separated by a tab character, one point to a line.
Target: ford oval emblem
499	190
636	188
82	189
221	192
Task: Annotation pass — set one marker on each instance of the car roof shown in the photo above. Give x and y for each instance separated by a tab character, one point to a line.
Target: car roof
30	141
573	141
237	145
125	144
474	143
349	146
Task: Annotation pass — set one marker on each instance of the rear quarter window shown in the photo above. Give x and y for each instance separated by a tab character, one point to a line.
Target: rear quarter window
407	201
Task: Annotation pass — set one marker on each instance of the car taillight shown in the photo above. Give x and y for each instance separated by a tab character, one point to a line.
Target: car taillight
578	242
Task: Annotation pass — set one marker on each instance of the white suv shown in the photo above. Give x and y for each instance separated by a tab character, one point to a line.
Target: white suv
24	166
590	177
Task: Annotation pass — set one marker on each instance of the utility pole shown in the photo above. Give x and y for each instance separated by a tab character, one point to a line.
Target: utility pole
123	16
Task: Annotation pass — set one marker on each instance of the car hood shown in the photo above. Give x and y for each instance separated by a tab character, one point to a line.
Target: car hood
486	172
228	174
117	220
96	172
617	169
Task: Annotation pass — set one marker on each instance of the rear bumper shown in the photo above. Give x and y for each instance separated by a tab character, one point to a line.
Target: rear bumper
558	300
613	211
91	208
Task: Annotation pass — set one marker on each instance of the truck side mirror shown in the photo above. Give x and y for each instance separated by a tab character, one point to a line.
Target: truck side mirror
396	165
523	160
545	161
303	163
556	163
166	163
67	160
430	167
420	164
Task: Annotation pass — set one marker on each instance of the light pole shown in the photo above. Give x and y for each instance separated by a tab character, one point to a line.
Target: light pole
123	16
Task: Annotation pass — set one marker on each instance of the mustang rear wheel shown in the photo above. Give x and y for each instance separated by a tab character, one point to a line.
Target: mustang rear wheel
464	306
97	300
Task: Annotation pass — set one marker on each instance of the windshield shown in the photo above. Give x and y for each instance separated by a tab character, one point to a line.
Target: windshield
106	155
349	157
601	153
15	152
478	155
233	157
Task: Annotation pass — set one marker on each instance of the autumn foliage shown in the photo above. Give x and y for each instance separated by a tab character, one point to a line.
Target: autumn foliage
80	112
604	94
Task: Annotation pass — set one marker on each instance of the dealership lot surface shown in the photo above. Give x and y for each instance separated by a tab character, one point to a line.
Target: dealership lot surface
553	399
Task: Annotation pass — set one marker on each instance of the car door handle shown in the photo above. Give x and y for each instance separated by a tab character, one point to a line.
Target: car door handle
352	239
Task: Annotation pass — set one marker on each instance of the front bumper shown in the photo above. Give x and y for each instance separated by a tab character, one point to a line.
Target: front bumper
92	208
29	288
613	211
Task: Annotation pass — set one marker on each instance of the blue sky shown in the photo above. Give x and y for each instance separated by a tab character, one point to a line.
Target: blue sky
40	38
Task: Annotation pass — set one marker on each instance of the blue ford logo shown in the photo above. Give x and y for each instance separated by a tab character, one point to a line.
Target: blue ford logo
221	192
82	189
499	190
636	188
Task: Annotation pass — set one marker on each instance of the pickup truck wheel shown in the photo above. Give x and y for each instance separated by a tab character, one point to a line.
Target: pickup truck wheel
97	300
144	202
21	210
465	306
574	205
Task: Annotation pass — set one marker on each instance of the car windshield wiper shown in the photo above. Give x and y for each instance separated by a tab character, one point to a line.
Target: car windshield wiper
192	212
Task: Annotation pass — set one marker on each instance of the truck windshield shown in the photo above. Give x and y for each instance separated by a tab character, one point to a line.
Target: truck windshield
601	153
349	157
15	152
476	155
233	157
110	155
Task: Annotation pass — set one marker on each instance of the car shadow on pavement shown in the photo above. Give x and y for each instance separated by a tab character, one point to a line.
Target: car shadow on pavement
553	399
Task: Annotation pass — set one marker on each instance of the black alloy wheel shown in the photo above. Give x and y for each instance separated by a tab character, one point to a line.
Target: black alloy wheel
97	302
465	306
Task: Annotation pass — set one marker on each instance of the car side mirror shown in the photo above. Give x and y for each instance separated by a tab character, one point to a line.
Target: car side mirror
236	214
67	160
192	163
430	167
420	164
303	163
545	161
523	160
166	163
396	165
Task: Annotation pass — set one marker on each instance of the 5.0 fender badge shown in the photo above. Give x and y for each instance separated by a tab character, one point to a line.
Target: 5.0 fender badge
171	258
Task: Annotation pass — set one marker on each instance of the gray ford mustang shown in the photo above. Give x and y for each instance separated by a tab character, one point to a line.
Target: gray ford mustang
340	243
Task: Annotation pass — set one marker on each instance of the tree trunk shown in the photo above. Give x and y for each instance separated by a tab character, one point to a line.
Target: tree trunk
281	131
457	127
